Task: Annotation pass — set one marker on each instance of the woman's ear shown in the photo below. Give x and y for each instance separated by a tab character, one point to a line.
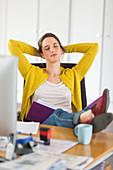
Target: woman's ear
63	49
42	56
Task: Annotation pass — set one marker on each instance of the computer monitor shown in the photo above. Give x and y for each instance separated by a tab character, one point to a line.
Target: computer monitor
8	95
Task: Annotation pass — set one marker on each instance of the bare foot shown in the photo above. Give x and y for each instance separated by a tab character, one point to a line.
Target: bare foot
86	116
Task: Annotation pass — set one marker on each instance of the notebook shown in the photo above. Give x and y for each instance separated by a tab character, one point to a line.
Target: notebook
94	102
40	111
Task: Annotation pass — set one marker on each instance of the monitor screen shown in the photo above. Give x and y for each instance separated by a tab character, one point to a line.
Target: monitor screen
8	94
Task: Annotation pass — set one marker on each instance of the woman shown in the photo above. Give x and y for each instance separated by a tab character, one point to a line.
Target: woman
59	86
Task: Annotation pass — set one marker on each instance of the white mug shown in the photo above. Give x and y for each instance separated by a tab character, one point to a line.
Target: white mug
84	133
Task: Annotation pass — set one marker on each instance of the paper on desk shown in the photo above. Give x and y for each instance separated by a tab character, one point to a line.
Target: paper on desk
27	127
47	161
56	146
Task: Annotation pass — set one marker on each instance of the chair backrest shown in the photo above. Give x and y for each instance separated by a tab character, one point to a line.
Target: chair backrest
83	89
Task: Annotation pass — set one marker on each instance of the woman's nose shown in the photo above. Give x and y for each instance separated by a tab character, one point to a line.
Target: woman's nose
52	49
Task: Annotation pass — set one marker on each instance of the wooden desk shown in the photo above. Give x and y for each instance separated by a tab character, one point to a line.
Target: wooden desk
100	148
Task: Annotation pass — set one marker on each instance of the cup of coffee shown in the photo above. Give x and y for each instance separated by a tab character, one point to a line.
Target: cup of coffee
84	133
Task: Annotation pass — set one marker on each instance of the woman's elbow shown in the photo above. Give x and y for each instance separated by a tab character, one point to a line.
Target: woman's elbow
97	46
10	42
10	45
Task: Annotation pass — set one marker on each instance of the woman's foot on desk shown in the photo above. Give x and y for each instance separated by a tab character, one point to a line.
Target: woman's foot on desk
100	122
102	105
100	108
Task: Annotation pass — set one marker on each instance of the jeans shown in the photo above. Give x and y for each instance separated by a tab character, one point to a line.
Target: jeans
64	119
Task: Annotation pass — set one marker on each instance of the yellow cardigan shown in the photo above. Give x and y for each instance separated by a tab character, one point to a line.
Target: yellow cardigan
35	76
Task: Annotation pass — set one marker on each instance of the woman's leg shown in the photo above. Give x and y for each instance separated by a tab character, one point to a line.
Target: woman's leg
61	118
85	116
70	120
89	115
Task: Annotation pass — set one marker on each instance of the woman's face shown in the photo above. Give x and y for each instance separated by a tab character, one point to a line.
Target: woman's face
51	50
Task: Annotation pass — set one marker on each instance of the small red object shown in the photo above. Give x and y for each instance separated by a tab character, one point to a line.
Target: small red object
45	135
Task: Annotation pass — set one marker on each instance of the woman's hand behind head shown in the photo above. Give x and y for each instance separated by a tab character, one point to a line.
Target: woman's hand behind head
39	54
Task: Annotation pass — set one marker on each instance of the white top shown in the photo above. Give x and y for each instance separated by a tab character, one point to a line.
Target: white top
56	94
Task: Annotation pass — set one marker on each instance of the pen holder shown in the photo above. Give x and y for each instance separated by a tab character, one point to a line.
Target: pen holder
45	134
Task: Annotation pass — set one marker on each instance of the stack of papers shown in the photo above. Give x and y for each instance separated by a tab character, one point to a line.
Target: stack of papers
47	161
27	127
56	146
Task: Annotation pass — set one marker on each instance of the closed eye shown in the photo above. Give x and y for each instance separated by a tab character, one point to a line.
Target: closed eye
47	48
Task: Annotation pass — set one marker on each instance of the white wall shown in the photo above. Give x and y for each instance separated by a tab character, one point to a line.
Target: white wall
107	53
74	21
3	21
86	26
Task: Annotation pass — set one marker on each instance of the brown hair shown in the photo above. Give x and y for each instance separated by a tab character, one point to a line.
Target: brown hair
45	36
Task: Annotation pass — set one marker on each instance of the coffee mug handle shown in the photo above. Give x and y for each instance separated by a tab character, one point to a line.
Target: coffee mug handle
76	131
